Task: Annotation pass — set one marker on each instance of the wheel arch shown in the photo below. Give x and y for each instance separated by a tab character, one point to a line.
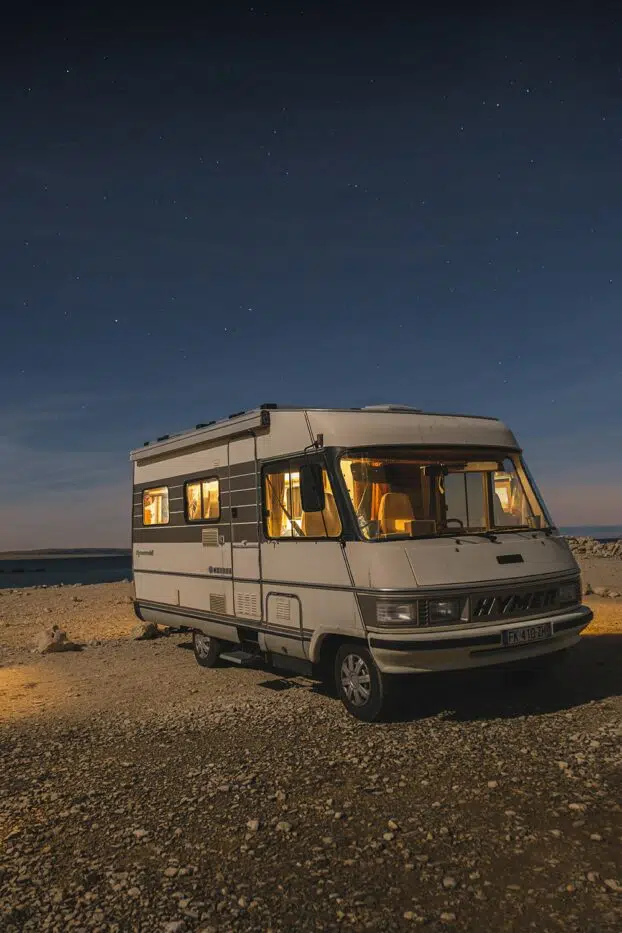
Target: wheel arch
324	646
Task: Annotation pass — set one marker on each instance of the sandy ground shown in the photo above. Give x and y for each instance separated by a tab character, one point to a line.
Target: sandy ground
140	792
101	617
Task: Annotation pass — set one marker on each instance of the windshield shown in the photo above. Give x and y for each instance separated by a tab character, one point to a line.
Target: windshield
415	493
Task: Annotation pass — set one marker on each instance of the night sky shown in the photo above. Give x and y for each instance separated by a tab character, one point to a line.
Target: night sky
200	214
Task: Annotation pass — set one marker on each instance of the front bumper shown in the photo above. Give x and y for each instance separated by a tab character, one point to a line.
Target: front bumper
463	648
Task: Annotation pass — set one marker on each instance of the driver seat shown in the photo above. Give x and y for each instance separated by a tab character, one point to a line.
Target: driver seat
322	524
395	513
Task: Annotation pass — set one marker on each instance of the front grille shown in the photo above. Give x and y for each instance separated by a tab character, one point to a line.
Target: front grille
514	603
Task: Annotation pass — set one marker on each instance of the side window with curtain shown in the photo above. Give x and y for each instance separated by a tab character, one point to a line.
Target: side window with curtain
284	516
203	500
155	506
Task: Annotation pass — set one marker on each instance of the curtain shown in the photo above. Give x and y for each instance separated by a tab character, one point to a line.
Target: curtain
378	491
275	489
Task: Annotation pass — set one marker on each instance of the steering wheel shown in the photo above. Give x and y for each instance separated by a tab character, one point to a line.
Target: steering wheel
365	524
458	521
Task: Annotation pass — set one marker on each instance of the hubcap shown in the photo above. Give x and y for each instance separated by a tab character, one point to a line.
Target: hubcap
202	644
355	680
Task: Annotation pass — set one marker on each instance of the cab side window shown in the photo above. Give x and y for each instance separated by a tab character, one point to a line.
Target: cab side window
284	514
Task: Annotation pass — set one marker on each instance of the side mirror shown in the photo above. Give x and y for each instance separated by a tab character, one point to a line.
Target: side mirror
312	495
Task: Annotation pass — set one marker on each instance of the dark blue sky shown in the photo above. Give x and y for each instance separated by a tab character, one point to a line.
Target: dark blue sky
202	214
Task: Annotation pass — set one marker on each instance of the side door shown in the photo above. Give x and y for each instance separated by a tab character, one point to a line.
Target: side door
245	517
306	583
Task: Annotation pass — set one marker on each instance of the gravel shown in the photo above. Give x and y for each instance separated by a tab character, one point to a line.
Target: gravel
169	798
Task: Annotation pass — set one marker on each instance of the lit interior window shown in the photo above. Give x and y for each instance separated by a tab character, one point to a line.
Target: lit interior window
203	500
155	506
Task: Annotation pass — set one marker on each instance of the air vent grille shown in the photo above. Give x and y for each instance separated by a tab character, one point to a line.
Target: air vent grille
283	609
246	604
218	603
209	537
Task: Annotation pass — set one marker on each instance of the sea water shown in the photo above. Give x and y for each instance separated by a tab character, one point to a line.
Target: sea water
600	532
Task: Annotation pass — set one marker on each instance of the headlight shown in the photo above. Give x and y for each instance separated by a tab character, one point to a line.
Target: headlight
444	610
396	612
568	593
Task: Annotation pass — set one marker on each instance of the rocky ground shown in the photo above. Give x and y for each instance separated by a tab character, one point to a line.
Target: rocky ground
601	564
140	792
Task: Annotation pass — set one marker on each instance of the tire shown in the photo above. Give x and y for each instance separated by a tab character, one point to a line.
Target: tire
206	649
360	685
538	670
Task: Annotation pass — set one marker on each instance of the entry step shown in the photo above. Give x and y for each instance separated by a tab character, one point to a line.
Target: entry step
243	658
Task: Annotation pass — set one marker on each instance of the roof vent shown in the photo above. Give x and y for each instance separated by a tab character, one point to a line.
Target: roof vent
164	437
269	405
391	408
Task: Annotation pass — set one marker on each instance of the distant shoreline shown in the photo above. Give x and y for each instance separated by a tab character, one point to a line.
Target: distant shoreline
57	553
600	533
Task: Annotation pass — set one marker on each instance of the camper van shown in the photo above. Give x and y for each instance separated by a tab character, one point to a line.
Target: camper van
358	544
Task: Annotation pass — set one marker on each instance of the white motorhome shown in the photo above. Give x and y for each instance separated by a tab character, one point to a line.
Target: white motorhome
362	542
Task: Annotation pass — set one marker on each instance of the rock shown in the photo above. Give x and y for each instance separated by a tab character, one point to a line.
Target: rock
448	917
283	827
54	640
449	882
601	591
252	826
493	784
145	631
613	885
174	926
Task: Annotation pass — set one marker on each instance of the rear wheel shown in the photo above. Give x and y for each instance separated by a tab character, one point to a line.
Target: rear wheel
361	687
206	649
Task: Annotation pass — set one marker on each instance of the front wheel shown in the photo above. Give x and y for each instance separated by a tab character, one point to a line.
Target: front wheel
206	649
360	685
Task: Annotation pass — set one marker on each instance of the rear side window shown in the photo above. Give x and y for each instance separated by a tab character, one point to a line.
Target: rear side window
155	506
203	500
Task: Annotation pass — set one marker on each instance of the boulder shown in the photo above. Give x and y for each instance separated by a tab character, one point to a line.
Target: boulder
590	547
54	640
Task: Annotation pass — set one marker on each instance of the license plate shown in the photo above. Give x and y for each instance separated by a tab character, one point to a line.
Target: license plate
514	638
